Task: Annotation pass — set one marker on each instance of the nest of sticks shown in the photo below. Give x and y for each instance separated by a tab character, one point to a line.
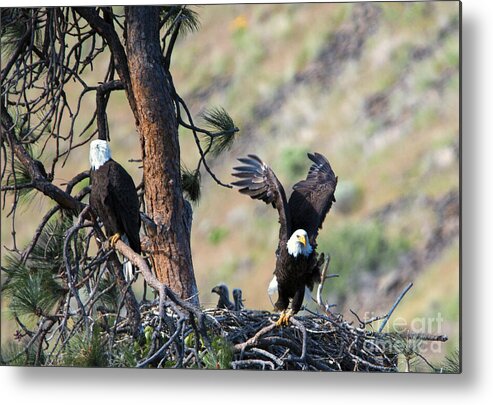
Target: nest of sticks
315	342
249	339
182	335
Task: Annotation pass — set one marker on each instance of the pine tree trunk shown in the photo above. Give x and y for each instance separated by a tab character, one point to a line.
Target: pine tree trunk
157	127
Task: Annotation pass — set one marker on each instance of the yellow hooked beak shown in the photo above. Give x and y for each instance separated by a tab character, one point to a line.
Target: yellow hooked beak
302	239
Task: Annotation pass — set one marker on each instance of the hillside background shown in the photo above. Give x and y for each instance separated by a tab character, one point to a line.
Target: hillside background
373	87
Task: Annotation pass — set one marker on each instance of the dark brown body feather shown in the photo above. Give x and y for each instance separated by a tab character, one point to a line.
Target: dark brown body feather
308	205
293	274
115	201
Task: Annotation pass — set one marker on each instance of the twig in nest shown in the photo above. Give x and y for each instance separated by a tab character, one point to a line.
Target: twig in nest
166	296
399	299
323	277
364	323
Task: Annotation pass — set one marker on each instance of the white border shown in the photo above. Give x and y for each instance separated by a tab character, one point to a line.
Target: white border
82	386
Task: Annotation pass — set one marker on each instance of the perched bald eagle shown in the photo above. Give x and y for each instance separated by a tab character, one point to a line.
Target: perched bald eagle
297	265
114	199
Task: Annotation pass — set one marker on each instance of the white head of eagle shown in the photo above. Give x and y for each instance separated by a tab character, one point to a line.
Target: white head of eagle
298	243
99	153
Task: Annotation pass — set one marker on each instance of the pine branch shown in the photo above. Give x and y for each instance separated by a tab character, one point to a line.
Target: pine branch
187	18
15	38
223	137
40	182
108	32
191	183
179	101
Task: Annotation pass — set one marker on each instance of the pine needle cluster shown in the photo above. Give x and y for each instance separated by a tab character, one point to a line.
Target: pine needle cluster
34	285
219	121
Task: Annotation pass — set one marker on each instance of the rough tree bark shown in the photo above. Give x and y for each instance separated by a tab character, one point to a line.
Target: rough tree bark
158	130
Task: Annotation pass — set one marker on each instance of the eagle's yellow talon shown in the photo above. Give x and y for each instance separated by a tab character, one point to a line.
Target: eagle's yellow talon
287	317
112	240
280	321
284	318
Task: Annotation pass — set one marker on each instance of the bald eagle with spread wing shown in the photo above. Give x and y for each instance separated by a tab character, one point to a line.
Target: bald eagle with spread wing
298	266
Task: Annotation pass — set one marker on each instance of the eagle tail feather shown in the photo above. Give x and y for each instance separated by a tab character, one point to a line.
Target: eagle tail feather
128	270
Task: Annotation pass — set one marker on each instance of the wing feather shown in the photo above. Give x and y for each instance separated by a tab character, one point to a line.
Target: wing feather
125	202
259	182
312	198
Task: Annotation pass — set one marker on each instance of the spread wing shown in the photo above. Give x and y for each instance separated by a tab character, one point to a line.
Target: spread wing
312	198
259	182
